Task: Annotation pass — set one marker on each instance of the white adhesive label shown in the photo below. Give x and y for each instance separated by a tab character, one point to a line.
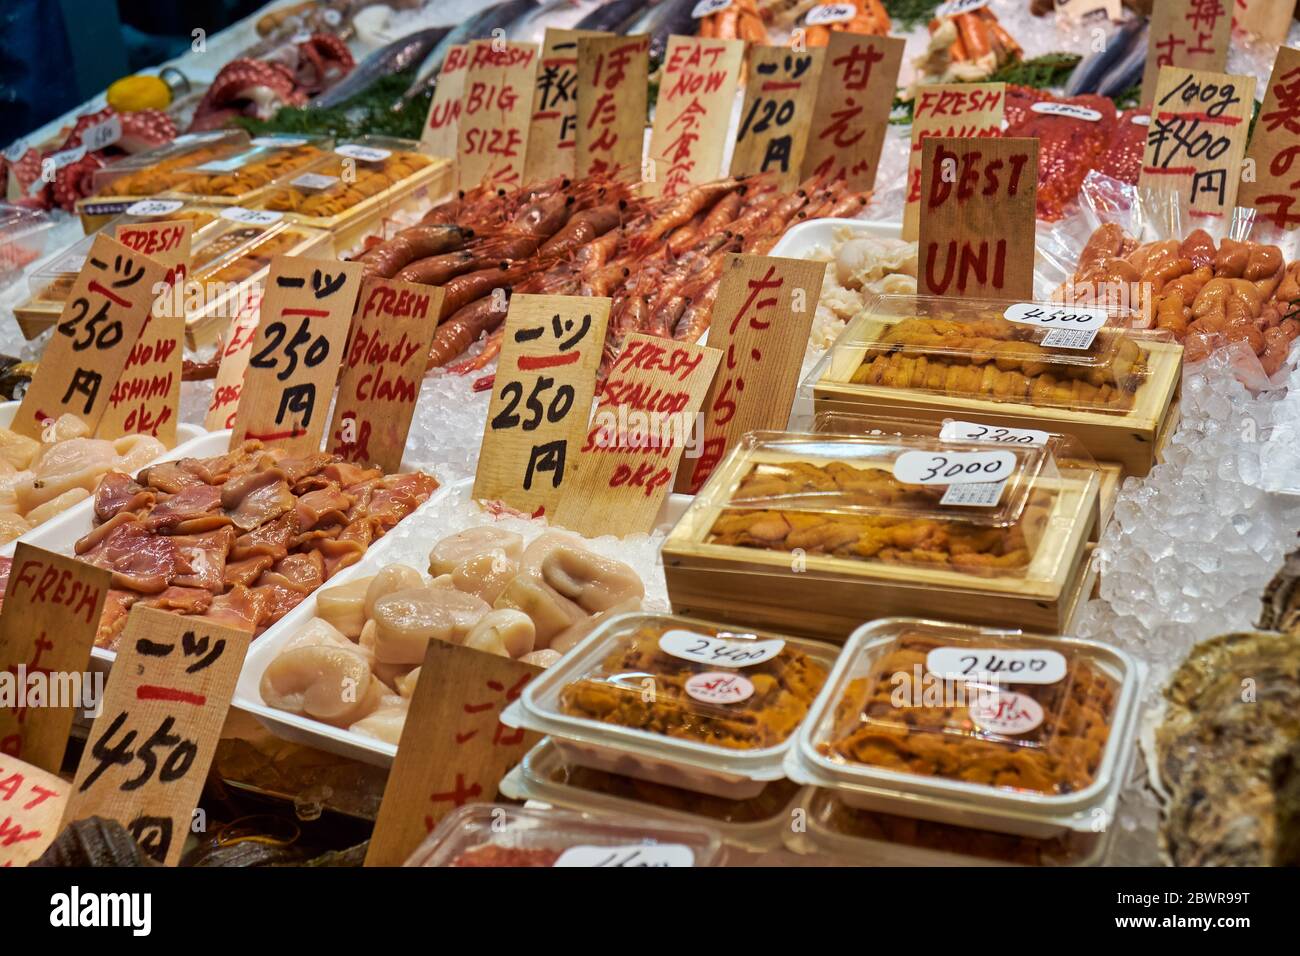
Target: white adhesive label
953	7
1005	713
957	430
1141	120
65	157
1056	317
153	207
718	687
953	468
364	154
102	134
15	150
188	138
999	664
826	13
223	165
981	495
251	217
314	181
278	142
703	649
1080	339
1068	110
652	854
706	8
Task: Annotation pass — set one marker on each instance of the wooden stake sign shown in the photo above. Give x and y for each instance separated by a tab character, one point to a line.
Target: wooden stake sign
1197	138
492	141
552	139
977	218
100	324
442	125
612	77
697	87
294	362
646	417
968	110
777	113
1186	33
854	95
47	628
1269	20
1274	153
150	748
31	806
167	243
541	398
760	324
454	749
382	372
236	347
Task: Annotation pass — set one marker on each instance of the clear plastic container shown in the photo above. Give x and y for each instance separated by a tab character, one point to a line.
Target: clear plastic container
977	727
23	233
239	176
677	701
757	824
863	837
1032	353
159	170
485	834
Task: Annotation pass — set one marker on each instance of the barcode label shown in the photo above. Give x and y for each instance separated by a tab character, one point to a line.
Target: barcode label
975	495
1069	338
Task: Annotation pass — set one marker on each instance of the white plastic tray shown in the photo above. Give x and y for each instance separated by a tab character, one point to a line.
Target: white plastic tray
82	515
313	733
802	239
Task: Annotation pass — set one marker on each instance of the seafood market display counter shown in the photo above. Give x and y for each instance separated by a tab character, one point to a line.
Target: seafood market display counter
953	556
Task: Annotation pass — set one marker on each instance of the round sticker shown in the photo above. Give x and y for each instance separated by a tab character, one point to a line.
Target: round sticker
1005	712
153	207
717	687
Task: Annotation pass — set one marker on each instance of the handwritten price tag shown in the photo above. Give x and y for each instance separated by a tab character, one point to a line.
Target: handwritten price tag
313	181
1039	666
1275	147
706	8
31	806
364	154
954	7
492	143
657	854
703	649
1068	110
443	122
1046	317
251	217
238	345
102	134
953	468
827	13
279	142
1001	435
1184	34
611	103
153	207
777	113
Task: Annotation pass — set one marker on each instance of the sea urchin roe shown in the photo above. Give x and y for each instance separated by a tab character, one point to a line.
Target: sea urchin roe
850	531
491	855
642	687
264	166
991	358
902	718
353	183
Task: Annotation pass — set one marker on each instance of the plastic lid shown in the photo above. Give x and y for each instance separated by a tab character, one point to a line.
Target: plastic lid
494	835
352	173
22	236
682	690
159	170
988	710
1040	353
247	170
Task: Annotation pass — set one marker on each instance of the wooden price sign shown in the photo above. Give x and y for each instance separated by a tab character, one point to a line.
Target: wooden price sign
1270	20
552	140
777	113
854	96
541	398
492	139
696	89
968	110
1186	33
1274	151
100	324
645	419
442	125
150	748
1197	138
236	348
294	362
977	218
612	77
31	806
454	749
47	628
167	243
760	324
382	371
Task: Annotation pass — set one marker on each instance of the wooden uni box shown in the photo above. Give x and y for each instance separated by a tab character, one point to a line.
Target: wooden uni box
828	597
1133	438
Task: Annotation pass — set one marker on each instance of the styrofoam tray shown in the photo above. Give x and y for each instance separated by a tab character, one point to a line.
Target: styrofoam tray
313	733
799	241
81	515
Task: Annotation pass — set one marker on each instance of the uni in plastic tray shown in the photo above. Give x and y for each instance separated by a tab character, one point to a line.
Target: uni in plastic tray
354	173
682	702
485	834
238	176
167	167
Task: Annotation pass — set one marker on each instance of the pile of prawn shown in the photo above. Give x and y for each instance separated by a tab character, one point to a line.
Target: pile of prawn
660	261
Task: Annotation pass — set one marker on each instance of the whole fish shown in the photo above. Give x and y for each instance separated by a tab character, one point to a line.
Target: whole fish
1091	69
478	27
401	54
611	15
552	14
675	17
1128	71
